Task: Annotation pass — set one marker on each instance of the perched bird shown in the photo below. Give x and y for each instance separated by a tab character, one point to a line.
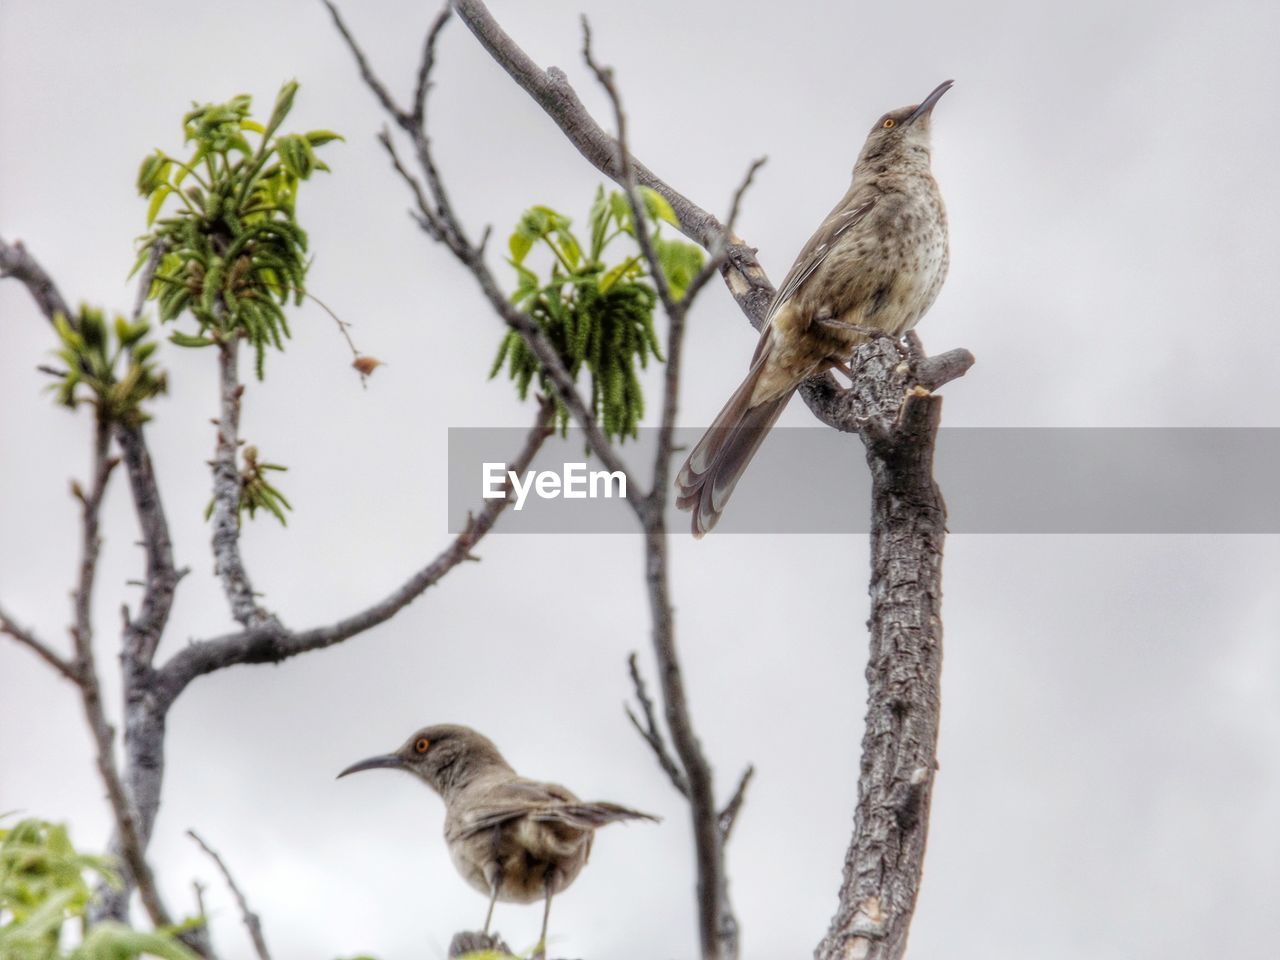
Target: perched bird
514	839
873	268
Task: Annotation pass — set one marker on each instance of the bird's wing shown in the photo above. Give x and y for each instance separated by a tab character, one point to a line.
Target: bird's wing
713	468
544	802
839	220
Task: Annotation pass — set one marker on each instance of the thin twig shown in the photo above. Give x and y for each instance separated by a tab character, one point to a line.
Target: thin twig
719	250
27	637
198	888
427	62
251	921
650	731
729	815
366	72
639	220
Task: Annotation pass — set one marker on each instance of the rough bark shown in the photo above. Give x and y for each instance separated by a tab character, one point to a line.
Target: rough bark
884	862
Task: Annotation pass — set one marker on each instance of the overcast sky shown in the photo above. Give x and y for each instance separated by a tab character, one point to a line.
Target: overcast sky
1110	755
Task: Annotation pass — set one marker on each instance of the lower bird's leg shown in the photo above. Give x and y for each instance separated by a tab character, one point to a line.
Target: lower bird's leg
493	877
841	328
541	950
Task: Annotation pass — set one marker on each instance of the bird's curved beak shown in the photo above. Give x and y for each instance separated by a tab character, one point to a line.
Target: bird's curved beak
928	103
392	760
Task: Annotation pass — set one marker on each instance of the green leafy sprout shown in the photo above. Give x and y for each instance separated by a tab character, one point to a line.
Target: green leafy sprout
44	887
256	492
597	315
232	252
108	366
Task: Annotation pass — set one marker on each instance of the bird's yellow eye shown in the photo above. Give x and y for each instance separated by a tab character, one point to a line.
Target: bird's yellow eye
889	122
422	744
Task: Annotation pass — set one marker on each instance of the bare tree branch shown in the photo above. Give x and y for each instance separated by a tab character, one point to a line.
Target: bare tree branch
131	844
717	926
251	921
271	643
28	638
17	263
884	862
729	815
628	180
651	733
142	633
720	249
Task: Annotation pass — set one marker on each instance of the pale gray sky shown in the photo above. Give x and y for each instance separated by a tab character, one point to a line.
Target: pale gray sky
1110	757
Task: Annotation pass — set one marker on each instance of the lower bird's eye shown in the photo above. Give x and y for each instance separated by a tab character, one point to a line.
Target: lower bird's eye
422	744
889	122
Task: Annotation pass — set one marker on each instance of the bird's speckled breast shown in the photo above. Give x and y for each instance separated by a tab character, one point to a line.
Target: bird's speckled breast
882	275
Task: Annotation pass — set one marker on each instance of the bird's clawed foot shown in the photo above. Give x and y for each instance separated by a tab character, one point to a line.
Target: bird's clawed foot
912	348
472	941
843	368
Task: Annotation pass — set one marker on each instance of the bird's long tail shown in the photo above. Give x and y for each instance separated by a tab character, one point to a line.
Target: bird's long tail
715	465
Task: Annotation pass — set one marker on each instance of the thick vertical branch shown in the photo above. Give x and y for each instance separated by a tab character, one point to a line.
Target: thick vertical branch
228	563
717	925
885	859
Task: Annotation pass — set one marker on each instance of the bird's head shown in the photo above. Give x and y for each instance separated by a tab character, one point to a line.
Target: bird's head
898	131
445	756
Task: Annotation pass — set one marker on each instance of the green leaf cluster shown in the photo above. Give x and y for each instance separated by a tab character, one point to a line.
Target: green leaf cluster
43	887
256	492
598	314
108	365
232	249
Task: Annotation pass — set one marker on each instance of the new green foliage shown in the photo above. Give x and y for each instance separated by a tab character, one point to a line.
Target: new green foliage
232	250
43	887
256	492
598	315
107	365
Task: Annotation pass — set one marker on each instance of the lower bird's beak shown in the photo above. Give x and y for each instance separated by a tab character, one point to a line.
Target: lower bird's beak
391	760
928	103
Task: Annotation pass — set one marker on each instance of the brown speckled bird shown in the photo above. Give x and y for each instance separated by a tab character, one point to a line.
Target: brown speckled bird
874	267
513	839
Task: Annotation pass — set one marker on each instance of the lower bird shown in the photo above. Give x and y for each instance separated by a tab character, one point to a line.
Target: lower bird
513	839
873	268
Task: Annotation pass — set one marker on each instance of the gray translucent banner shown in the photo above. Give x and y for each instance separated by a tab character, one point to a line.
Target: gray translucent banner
995	480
